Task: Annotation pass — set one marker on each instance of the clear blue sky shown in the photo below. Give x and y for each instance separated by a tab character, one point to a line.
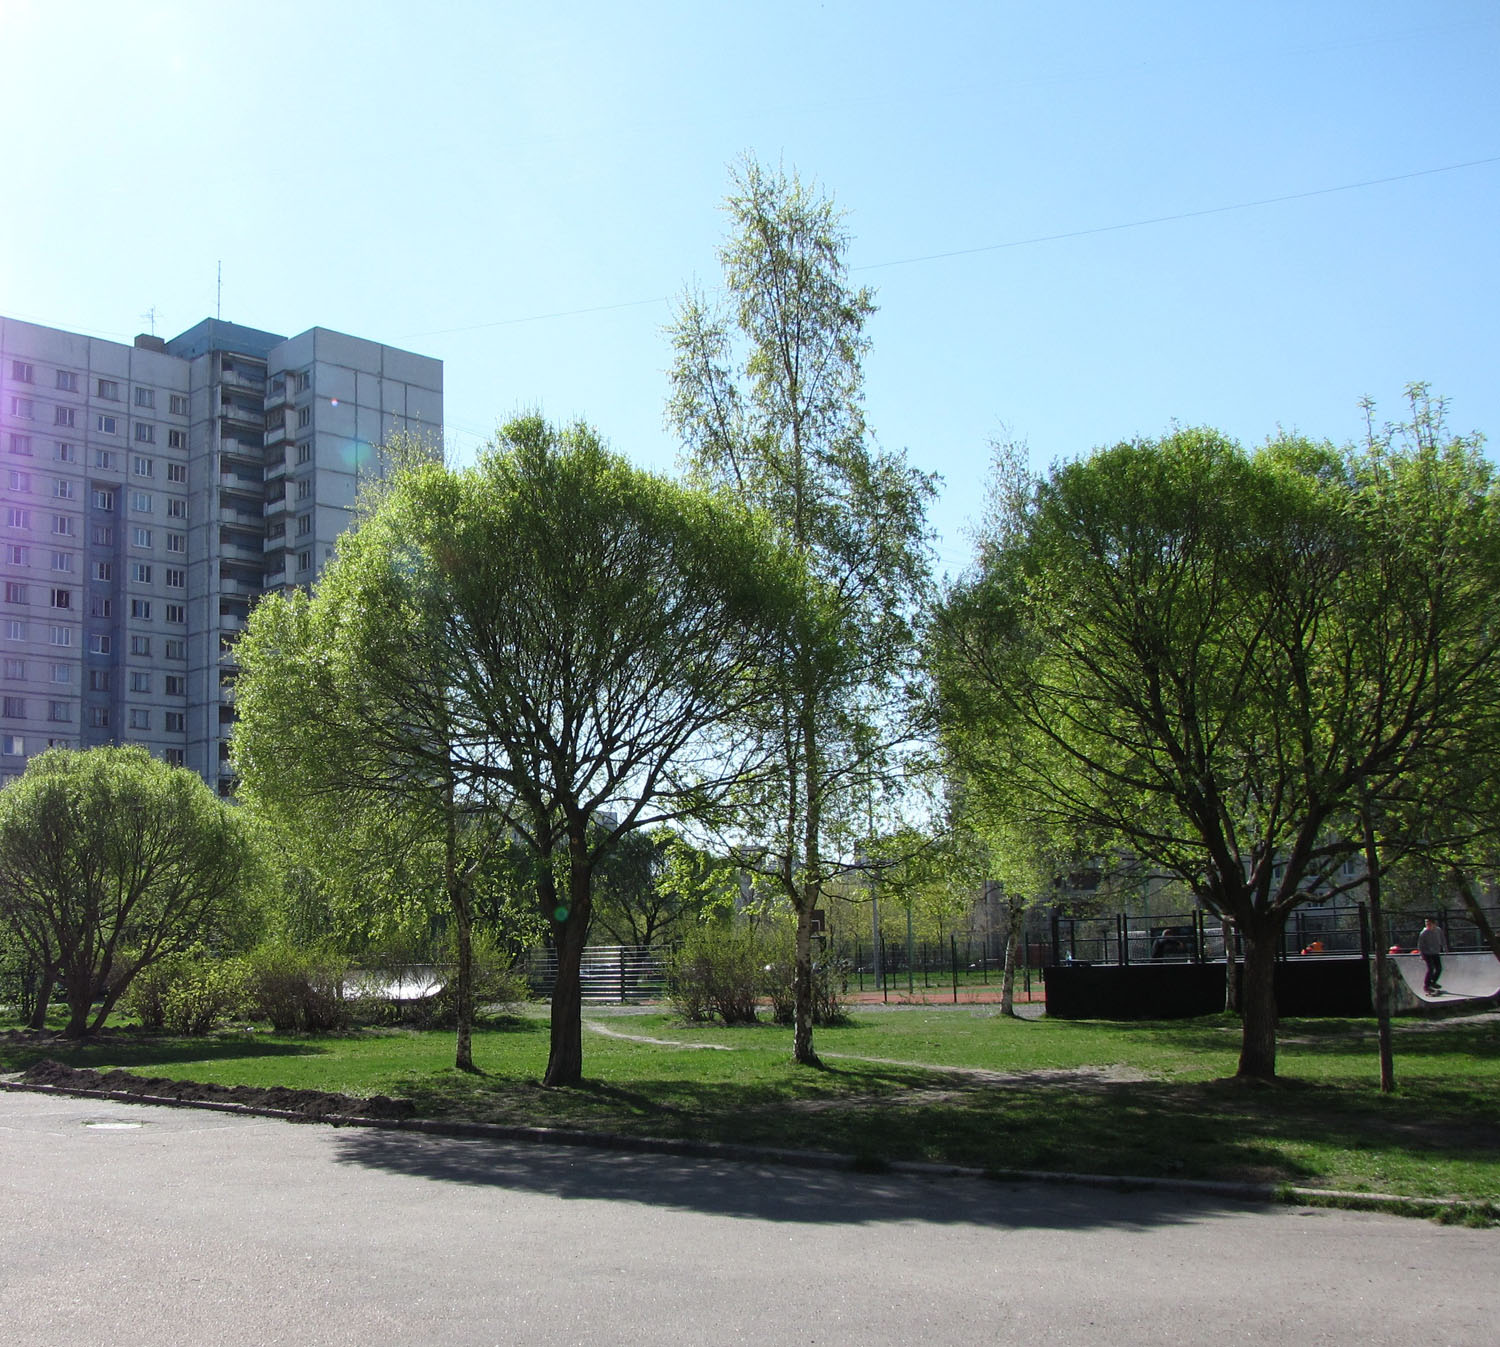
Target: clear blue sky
520	188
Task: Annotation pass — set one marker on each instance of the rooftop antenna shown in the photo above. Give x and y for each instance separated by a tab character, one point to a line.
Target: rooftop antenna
219	294
150	317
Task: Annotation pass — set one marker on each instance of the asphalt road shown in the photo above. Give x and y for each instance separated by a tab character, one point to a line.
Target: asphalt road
122	1224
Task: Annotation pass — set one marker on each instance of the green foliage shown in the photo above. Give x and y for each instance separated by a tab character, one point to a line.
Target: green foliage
111	860
1213	659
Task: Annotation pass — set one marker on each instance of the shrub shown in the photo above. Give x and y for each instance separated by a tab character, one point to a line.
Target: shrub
298	989
717	974
187	993
830	984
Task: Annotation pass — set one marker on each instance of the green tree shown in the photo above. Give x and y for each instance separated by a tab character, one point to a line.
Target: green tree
633	902
1213	658
551	640
111	861
766	392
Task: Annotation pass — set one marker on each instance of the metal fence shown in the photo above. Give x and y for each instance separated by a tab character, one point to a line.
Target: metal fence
1198	937
608	973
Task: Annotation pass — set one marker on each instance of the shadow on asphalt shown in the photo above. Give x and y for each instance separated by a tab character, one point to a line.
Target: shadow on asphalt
770	1192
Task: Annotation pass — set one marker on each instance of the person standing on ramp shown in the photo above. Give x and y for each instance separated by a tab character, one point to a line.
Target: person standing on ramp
1430	945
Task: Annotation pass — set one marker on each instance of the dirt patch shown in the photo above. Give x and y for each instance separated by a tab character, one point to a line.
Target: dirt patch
314	1105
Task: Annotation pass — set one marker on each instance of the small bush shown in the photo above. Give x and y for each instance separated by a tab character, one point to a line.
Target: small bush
830	984
186	993
297	989
717	974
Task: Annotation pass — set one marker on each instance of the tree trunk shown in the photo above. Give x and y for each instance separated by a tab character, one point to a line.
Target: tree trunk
463	925
1258	1004
565	1055
1008	981
42	1000
812	862
1231	983
1476	912
1382	976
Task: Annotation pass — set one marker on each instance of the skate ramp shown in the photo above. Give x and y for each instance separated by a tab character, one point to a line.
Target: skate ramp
1466	977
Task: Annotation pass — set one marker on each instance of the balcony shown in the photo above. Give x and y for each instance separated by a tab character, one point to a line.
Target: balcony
251	381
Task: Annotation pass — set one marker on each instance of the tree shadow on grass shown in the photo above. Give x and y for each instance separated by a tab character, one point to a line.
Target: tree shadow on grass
130	1050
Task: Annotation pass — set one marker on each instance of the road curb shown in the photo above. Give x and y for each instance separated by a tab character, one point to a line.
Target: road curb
1265	1193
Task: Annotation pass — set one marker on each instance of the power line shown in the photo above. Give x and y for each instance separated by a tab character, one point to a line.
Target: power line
999	247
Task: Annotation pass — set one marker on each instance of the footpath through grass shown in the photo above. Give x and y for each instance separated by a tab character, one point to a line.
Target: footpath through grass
961	1084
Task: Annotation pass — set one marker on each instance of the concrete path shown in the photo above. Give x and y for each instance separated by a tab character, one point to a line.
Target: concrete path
124	1224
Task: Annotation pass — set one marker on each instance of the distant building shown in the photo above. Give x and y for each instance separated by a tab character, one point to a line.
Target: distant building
149	494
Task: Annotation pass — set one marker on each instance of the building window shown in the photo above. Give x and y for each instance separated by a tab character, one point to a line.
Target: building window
59	711
17	518
16	554
108	388
20	481
140	718
304	452
177	472
145	397
103	535
140	610
176	685
140	645
176	439
140	681
62	673
104	498
140	465
176	649
64	488
304	417
99	680
62	561
14	707
176	577
177	542
98	643
64	416
104	458
173	757
60	635
15	668
15	592
99	607
140	501
177	612
104	570
105	425
64	452
67	381
99	717
62	525
21	445
304	380
12	745
176	507
140	537
304	525
177	404
140	572
304	561
15	629
62	598
174	721
22	408
22	373
304	489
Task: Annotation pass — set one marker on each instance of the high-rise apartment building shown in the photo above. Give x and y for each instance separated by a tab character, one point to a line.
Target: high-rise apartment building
150	493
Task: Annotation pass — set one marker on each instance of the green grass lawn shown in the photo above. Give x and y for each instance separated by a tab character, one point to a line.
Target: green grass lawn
954	1084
